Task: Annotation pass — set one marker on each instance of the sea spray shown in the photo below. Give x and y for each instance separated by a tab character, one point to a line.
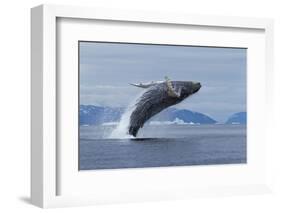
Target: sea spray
121	130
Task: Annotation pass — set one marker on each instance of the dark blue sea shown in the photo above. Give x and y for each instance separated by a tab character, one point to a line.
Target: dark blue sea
163	145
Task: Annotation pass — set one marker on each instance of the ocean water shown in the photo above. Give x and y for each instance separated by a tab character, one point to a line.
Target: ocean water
163	145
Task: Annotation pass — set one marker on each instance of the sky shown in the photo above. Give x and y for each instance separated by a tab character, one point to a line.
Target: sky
106	69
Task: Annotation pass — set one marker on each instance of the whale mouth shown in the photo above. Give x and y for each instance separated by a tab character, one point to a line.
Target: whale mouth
196	87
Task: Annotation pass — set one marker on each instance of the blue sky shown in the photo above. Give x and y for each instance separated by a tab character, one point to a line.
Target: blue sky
106	69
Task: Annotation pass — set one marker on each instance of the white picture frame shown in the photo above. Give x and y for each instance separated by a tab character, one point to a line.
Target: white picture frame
45	168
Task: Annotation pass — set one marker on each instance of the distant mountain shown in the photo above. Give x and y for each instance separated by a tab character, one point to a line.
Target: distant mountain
237	118
186	116
96	115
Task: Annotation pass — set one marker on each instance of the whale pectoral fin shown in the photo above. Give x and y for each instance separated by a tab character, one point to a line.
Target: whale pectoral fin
171	90
144	85
140	85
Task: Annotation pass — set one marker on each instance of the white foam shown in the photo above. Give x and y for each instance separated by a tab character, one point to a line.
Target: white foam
121	130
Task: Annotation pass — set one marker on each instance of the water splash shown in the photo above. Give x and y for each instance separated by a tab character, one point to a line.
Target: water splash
121	130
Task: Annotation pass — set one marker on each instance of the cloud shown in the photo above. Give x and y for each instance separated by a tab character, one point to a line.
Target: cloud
107	95
107	68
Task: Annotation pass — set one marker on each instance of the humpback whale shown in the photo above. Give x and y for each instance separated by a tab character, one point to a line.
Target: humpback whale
158	96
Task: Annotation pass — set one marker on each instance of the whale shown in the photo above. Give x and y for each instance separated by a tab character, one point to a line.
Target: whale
157	97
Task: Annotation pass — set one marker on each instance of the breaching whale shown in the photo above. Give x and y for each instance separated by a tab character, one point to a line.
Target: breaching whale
158	96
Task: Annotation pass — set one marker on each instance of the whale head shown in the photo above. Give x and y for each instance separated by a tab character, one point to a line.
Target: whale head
186	88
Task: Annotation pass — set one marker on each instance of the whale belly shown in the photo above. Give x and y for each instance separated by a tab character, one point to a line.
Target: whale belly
153	101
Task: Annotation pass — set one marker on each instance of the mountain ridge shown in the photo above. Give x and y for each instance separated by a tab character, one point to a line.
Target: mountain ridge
97	115
237	118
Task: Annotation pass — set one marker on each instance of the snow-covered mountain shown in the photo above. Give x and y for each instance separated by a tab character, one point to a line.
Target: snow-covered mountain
237	118
184	115
96	115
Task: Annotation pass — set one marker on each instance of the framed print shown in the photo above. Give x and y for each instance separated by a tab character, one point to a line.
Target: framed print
130	106
152	125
